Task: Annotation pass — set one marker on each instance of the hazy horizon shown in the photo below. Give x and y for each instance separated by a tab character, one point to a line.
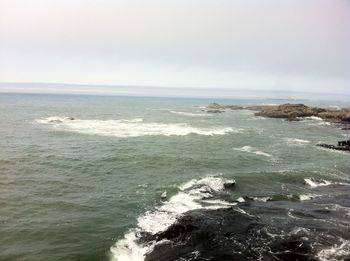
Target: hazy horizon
293	46
164	91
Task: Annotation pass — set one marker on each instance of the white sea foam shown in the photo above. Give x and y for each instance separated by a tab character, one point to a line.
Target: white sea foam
314	118
54	119
339	251
334	107
240	199
259	199
195	194
294	141
317	121
190	114
312	182
130	127
317	182
250	149
304	197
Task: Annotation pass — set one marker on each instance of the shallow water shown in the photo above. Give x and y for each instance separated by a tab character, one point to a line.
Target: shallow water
74	189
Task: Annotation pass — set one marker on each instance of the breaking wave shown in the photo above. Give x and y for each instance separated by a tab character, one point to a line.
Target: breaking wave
250	149
294	141
314	183
205	203
317	121
190	114
339	251
130	127
195	194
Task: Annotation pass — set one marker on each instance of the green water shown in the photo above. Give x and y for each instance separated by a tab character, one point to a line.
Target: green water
70	193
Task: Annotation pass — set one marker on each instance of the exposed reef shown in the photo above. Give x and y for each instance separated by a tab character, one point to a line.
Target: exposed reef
292	112
342	145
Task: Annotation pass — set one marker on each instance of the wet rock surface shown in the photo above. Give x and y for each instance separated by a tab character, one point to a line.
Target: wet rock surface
239	233
342	145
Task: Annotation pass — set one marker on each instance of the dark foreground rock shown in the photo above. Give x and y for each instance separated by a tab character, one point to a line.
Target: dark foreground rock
242	234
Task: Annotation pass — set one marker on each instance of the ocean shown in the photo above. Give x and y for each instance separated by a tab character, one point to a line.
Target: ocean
132	178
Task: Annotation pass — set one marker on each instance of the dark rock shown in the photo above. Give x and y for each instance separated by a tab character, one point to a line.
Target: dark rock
215	111
290	112
229	184
342	145
225	234
293	119
216	106
294	112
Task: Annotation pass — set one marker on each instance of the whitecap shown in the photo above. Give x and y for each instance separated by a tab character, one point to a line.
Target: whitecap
259	199
131	127
316	121
317	182
190	114
313	182
314	118
55	119
195	194
334	107
240	200
250	149
304	197
295	141
338	251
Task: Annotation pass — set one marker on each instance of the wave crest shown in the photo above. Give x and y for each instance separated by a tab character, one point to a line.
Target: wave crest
195	194
250	149
124	128
190	114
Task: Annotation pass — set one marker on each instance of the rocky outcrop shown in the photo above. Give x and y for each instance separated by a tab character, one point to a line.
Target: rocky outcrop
336	116
297	111
239	233
290	112
216	106
342	145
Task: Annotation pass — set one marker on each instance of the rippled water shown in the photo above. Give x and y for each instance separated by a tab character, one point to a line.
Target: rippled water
99	186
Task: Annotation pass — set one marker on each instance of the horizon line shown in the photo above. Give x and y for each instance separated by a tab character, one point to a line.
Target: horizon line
163	87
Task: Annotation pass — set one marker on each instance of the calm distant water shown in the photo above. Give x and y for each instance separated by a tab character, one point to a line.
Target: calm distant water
81	189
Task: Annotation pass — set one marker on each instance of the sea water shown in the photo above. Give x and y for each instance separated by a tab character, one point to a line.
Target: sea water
87	177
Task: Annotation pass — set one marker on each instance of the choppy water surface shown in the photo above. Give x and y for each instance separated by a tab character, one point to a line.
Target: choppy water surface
160	179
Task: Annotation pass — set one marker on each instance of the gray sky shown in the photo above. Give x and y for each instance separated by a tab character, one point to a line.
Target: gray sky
292	45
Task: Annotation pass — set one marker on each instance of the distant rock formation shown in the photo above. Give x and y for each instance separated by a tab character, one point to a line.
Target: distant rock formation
290	112
216	106
295	111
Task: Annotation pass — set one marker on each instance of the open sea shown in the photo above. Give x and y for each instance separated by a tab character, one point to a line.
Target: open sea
128	178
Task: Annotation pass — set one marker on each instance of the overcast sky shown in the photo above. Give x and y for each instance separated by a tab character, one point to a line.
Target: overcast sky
301	45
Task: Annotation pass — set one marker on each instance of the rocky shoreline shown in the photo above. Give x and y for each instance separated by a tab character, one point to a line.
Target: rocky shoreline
296	112
291	112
